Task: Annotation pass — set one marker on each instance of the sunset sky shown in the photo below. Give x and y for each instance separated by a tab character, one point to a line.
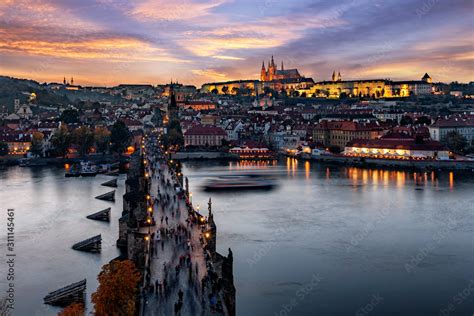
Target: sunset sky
106	42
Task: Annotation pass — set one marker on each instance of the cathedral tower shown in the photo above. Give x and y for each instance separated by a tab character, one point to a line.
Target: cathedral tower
263	72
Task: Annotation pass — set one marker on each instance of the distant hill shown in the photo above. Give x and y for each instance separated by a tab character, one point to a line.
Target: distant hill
14	88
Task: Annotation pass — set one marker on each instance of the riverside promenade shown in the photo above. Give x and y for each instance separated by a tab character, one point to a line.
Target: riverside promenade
183	273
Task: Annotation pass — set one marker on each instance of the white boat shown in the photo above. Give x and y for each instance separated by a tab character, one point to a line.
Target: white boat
239	182
319	152
88	169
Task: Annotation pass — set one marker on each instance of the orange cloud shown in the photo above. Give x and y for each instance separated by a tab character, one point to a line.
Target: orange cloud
173	10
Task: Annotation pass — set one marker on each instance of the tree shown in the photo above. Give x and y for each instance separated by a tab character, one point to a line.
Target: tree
84	139
37	144
456	142
69	116
76	309
4	308
62	140
406	120
119	137
303	94
118	287
101	139
296	94
423	120
3	149
214	91
225	89
235	91
174	137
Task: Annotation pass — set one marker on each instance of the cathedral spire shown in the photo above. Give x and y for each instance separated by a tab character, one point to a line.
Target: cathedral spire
334	75
273	62
263	64
282	65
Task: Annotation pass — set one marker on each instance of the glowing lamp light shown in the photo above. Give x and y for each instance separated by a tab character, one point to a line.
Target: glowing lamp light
147	238
207	235
148	197
202	219
148	220
150	209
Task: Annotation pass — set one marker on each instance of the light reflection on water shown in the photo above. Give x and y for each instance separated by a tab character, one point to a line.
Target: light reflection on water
356	228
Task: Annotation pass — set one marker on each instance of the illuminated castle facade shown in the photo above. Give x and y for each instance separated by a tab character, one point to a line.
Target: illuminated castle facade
272	73
291	82
376	88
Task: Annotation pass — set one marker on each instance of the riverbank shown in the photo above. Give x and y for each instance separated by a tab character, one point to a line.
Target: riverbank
57	161
393	163
183	155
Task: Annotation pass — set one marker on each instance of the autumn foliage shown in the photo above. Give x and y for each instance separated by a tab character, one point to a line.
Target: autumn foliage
118	287
76	309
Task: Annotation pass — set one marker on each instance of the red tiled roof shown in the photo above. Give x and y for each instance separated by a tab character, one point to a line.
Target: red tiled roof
455	121
347	126
205	130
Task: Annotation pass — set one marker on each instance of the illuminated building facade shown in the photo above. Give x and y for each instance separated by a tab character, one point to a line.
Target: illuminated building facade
339	133
204	136
396	149
375	88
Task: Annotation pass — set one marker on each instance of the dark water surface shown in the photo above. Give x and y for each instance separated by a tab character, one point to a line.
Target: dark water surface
326	241
50	216
346	241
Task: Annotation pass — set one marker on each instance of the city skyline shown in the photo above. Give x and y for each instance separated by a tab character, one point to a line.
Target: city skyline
106	42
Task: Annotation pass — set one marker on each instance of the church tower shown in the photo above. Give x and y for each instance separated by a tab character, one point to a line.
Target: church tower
339	78
333	76
282	65
272	70
263	73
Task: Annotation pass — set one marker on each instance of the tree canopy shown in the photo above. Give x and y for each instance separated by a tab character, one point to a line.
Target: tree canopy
37	143
119	137
3	149
76	309
62	139
118	287
84	139
456	142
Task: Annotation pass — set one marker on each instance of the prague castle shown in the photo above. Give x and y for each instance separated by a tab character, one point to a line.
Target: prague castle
274	74
375	88
290	81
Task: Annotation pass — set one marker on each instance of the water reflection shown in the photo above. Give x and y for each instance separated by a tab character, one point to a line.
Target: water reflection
363	176
321	209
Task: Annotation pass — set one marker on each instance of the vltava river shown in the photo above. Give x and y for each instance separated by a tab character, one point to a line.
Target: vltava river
327	241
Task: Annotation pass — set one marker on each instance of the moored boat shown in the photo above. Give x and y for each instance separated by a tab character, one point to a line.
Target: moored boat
74	171
88	169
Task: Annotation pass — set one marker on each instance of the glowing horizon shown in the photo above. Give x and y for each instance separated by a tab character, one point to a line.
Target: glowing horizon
108	42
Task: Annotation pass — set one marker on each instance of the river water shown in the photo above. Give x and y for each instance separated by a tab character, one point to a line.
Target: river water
327	240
